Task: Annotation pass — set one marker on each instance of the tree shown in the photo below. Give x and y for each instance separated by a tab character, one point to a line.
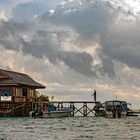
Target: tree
42	98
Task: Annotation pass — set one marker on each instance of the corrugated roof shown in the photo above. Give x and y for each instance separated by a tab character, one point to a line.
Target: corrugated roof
16	78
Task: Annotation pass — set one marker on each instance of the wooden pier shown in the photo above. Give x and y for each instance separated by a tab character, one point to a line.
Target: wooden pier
78	108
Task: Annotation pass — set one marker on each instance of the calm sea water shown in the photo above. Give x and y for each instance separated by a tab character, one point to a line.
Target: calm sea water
73	128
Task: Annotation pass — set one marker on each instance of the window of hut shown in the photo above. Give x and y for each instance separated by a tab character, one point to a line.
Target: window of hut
25	92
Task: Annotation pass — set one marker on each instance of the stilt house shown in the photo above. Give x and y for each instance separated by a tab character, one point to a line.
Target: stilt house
17	87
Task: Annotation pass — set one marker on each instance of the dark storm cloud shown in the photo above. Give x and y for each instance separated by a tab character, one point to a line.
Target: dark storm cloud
14	26
6	2
122	43
40	48
29	9
107	66
80	62
9	33
88	21
129	56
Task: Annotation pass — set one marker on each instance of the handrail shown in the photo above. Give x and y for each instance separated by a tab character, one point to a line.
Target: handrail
18	106
9	111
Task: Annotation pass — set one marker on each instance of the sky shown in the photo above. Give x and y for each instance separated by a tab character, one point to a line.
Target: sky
74	46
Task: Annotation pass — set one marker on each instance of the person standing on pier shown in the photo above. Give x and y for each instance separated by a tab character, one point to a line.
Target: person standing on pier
94	94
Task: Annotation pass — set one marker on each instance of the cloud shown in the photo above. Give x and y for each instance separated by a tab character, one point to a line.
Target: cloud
107	66
29	9
87	21
110	24
122	44
3	16
80	62
10	32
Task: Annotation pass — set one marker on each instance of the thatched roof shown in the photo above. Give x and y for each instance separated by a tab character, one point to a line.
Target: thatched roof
18	79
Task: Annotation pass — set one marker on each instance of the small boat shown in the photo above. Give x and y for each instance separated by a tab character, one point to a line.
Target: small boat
65	112
56	114
114	109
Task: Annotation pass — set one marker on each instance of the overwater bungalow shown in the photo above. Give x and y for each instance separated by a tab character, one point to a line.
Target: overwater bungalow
16	88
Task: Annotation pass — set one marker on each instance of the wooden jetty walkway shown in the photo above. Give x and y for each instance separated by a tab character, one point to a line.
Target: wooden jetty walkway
78	108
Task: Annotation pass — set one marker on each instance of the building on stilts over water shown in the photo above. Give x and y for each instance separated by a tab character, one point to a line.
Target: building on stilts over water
17	92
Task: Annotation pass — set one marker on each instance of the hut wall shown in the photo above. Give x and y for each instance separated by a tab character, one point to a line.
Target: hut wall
23	94
17	94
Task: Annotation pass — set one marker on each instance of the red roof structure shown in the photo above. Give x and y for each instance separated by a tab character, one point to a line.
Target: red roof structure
11	78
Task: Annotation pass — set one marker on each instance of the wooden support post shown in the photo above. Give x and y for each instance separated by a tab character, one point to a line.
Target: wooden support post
22	110
84	109
62	105
32	106
72	108
58	106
